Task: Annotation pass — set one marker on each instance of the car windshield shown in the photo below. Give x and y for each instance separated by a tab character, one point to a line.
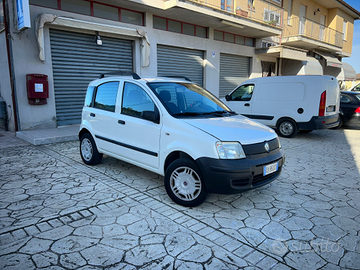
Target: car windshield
188	99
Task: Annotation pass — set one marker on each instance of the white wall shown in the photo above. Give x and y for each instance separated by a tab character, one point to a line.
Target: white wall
5	86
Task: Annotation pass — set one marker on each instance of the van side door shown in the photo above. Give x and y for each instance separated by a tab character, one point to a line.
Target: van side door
240	100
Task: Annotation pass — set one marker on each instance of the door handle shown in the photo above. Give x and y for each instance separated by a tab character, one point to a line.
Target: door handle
121	122
247	104
92	114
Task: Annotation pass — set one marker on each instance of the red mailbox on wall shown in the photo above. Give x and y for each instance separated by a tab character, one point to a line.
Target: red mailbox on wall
37	88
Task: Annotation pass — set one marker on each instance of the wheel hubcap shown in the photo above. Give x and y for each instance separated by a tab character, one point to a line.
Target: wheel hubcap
86	149
286	128
185	183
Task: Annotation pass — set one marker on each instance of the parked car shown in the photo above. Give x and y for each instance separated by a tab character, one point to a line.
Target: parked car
350	107
356	87
288	103
177	129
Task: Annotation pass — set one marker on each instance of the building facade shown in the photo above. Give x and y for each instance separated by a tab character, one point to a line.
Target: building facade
53	48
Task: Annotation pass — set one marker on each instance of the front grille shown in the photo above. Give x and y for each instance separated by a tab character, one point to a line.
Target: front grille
258	148
259	180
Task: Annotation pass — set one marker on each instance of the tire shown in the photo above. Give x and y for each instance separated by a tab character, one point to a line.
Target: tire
184	183
341	123
286	128
88	150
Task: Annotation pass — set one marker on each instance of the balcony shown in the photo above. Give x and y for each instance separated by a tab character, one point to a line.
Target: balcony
261	11
263	19
310	35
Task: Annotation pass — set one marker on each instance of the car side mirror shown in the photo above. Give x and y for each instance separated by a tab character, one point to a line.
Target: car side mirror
228	97
151	116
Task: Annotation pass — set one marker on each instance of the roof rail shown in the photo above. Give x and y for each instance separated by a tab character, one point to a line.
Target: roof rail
180	77
121	73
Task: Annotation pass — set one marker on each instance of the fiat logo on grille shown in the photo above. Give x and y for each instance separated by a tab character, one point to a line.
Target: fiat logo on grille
267	147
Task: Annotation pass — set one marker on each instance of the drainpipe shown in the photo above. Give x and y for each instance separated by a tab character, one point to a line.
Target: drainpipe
11	64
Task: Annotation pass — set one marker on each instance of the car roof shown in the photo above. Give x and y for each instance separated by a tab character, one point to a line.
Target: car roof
350	92
176	79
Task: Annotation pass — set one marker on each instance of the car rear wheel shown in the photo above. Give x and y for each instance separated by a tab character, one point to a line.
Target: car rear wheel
287	128
184	183
88	150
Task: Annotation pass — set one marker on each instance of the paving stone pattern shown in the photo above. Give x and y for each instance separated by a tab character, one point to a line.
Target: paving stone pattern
57	213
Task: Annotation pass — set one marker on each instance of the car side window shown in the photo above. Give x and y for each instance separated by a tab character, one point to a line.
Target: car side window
105	97
243	93
344	99
135	101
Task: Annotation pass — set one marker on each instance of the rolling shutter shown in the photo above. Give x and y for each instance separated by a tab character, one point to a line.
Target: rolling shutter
77	60
174	61
234	70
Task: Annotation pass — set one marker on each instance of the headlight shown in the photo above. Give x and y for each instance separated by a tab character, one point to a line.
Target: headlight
230	150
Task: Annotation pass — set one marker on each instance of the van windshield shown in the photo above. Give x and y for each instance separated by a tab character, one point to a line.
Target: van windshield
188	99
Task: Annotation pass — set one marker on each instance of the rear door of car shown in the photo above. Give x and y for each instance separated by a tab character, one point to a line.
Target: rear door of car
102	112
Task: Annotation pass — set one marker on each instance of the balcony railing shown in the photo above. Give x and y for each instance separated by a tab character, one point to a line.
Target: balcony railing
313	30
261	11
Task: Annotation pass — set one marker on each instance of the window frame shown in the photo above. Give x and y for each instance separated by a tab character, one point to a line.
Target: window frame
252	93
234	41
92	11
269	13
181	27
122	112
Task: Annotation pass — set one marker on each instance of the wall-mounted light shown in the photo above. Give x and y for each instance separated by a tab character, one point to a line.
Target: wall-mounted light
316	10
98	39
232	24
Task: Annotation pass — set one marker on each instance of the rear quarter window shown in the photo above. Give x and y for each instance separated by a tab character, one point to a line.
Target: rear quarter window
89	96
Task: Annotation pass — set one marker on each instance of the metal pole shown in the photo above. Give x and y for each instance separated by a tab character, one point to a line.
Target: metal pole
11	64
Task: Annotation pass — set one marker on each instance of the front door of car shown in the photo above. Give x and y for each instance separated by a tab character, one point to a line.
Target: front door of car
240	100
137	139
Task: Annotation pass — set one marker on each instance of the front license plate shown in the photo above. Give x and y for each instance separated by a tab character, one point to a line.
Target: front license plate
271	168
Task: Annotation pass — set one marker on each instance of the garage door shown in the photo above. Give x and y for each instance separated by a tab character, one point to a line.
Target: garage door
234	70
76	60
174	61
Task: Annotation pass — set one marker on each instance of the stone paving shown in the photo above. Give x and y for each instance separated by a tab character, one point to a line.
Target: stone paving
57	213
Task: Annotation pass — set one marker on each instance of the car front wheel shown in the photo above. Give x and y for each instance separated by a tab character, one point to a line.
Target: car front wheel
184	183
88	150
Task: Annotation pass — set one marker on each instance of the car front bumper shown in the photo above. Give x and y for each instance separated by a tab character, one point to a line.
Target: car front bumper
234	176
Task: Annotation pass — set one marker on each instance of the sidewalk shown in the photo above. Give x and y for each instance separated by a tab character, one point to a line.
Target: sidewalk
46	136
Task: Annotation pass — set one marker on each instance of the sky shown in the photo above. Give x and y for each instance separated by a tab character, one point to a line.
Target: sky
354	60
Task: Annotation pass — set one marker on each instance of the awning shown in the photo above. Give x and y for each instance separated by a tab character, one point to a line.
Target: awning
283	52
311	66
43	19
347	73
331	60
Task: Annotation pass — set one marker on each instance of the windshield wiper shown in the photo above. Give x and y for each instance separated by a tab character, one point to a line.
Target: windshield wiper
221	113
187	114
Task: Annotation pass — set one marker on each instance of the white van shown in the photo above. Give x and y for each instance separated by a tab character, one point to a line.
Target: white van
289	103
177	129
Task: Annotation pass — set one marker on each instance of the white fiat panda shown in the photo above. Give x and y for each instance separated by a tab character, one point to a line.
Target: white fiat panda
177	129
